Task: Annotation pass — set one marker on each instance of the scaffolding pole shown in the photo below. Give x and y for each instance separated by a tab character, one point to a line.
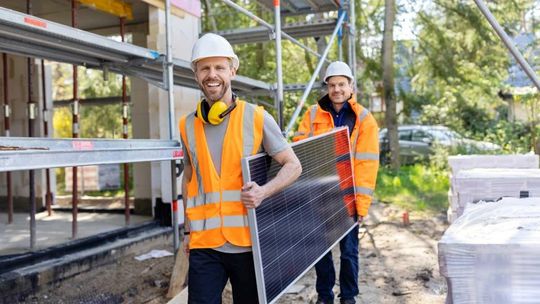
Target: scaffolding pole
270	26
279	70
352	40
315	75
508	42
31	117
48	193
170	98
75	124
7	113
125	107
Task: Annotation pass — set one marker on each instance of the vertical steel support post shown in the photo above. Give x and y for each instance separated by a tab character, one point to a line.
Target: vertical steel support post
340	33
7	114
170	98
125	107
279	70
75	123
508	42
352	41
31	117
48	194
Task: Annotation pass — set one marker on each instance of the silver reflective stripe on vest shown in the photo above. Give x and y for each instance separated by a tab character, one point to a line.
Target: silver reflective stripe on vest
207	224
190	133
363	190
299	133
361	117
215	222
235	221
366	156
230	196
248	129
312	116
196	201
213	197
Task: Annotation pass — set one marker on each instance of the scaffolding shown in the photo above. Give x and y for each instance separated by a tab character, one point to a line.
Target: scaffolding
325	27
26	35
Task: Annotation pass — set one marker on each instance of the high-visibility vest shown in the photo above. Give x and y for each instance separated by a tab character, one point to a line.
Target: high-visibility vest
364	147
215	212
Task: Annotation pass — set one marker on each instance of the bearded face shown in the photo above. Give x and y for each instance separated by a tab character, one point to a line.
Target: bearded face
214	75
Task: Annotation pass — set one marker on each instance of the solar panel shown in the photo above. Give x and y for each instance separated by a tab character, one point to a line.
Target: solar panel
294	228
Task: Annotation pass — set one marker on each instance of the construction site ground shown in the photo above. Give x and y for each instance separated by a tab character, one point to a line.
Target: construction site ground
398	264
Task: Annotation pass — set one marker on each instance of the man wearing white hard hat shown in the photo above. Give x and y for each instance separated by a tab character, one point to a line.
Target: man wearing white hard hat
215	137
336	109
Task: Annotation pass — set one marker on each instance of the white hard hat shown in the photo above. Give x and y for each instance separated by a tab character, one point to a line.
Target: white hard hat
338	68
212	45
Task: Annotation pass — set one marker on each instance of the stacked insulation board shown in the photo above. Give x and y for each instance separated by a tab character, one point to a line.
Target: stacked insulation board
489	177
491	253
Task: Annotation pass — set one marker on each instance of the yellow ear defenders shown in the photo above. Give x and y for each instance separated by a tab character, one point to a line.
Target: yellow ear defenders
216	113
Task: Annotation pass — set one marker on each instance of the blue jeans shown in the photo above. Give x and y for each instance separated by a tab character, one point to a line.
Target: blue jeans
209	271
348	274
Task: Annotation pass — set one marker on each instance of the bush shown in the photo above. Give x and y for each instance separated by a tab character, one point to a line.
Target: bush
419	187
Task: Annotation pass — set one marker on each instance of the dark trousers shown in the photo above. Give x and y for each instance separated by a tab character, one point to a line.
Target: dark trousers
209	271
348	274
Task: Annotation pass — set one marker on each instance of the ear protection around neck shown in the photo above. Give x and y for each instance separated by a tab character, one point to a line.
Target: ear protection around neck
216	113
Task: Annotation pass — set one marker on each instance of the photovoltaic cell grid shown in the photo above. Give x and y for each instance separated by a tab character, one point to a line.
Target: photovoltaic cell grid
294	228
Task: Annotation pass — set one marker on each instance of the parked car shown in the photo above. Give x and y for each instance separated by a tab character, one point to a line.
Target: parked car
416	143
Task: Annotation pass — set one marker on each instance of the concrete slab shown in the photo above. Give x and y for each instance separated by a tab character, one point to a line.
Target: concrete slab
56	229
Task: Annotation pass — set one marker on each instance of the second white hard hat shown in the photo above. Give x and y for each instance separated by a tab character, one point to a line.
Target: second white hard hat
338	68
212	45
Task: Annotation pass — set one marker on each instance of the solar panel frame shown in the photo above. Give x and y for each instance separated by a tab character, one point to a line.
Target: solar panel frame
254	227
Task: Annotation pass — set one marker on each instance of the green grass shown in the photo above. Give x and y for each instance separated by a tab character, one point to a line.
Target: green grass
417	187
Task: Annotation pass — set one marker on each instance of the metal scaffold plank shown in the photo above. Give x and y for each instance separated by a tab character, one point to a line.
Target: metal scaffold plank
298	30
26	35
23	153
301	7
37	31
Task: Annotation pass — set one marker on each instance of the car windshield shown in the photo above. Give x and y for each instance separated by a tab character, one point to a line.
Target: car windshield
440	135
445	135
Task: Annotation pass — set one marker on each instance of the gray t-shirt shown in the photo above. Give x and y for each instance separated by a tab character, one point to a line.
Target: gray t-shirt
273	142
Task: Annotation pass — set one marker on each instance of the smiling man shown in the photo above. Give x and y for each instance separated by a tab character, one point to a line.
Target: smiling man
222	131
336	109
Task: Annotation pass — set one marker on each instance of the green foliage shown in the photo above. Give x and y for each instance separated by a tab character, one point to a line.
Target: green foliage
460	67
513	137
104	121
418	187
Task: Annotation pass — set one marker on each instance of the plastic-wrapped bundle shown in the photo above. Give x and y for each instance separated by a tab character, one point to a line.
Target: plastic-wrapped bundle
491	254
516	161
490	184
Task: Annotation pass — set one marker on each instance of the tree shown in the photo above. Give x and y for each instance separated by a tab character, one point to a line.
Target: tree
388	82
461	65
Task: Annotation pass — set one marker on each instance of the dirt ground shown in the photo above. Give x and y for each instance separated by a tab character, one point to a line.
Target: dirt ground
398	264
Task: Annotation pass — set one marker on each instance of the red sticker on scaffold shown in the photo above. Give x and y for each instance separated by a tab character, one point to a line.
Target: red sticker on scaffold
35	22
83	145
178	153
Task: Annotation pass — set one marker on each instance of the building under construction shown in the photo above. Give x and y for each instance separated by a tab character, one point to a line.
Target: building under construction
35	35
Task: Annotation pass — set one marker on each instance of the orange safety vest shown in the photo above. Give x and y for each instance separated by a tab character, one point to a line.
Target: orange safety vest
364	147
214	209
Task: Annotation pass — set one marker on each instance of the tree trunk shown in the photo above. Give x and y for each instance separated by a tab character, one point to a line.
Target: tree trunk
388	82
